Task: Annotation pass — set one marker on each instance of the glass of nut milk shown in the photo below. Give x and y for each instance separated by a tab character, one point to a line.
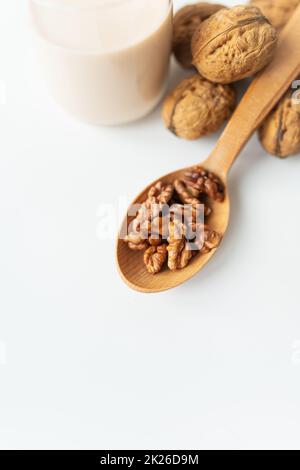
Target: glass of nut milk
106	61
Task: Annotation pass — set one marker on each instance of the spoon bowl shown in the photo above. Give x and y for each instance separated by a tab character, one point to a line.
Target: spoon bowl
131	266
260	98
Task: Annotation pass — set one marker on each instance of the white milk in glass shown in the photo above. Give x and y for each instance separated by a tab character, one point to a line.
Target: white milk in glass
106	61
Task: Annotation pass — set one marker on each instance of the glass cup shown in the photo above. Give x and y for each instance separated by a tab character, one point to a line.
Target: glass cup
106	61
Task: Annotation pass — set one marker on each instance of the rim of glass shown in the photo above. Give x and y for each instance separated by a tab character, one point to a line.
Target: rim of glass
97	4
88	51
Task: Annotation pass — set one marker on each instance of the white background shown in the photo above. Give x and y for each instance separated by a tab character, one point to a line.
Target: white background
87	363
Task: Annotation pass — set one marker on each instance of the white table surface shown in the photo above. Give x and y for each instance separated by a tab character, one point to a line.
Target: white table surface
87	363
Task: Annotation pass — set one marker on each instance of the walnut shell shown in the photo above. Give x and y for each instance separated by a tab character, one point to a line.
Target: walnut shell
278	12
185	23
197	107
233	44
280	133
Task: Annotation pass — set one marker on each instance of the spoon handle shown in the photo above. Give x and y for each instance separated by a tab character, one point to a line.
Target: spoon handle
260	98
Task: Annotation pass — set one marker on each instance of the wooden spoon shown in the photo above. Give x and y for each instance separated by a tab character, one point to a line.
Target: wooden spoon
260	98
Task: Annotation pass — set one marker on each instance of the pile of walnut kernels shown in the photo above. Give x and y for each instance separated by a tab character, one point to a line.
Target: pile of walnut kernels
223	46
174	236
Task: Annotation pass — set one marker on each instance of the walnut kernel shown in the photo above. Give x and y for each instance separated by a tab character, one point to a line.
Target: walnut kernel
179	251
205	182
209	241
187	195
233	44
155	258
184	194
136	242
160	193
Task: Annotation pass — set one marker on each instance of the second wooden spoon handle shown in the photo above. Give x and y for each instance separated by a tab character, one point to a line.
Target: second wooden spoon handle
260	98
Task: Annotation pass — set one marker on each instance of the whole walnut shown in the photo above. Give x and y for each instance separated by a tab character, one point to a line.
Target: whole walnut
197	107
278	12
233	44
280	133
185	23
